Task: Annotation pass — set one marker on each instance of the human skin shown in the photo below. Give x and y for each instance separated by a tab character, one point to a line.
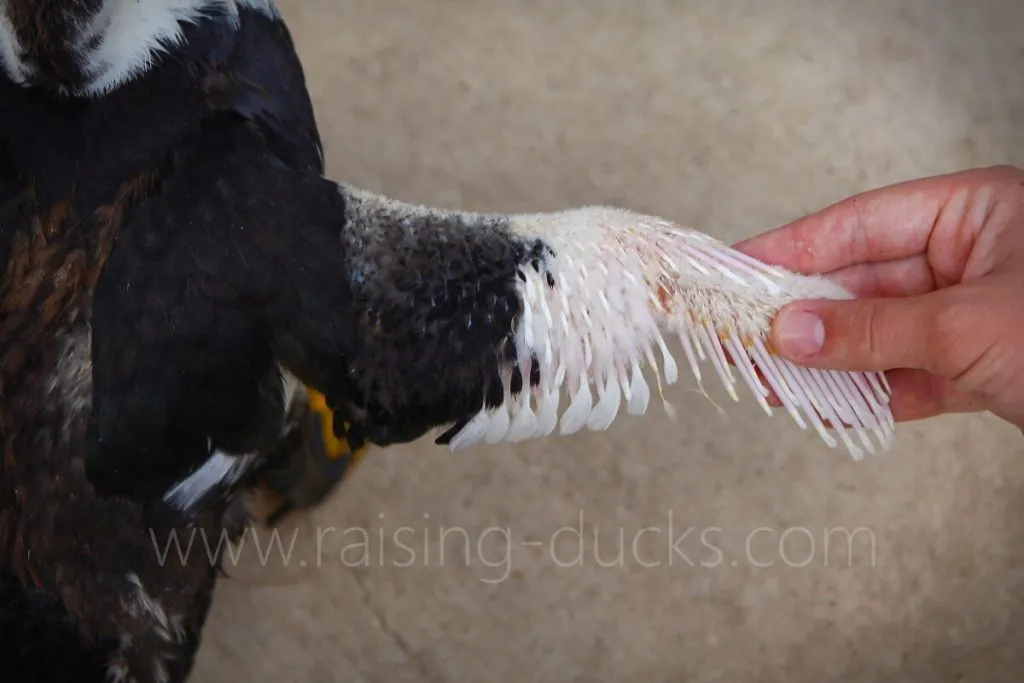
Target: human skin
937	265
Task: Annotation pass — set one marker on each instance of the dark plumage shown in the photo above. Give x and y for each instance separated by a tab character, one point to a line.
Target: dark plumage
173	259
132	304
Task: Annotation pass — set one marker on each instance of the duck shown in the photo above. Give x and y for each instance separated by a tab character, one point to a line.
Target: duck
190	310
106	111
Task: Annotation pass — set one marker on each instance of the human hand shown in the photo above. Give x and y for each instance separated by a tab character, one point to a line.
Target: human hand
937	265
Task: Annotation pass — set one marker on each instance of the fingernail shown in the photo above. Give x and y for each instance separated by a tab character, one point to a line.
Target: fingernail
800	333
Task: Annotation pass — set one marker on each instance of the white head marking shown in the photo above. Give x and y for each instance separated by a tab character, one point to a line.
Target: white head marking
124	39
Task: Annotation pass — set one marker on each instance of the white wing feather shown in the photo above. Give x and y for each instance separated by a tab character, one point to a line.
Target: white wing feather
630	287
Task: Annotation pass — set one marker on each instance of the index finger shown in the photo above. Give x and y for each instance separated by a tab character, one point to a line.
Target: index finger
892	222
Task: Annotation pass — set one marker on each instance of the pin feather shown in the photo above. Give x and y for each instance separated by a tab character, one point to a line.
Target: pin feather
616	292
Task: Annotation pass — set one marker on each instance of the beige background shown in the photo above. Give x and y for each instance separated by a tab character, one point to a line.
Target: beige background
732	116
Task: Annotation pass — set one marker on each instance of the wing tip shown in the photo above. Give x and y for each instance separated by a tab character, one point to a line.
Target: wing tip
617	284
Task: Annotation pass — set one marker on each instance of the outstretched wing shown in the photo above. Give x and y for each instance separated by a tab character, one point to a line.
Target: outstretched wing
499	328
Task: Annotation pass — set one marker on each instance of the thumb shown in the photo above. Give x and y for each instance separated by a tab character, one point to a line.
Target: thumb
871	334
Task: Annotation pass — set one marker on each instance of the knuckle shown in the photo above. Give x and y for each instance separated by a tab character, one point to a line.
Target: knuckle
873	323
945	322
945	331
1008	170
857	330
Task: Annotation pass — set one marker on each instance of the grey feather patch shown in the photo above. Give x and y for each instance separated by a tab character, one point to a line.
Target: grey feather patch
430	289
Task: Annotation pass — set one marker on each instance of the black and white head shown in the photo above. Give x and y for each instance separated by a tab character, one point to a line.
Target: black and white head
90	47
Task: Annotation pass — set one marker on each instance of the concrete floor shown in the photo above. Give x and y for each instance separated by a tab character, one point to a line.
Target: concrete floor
732	116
